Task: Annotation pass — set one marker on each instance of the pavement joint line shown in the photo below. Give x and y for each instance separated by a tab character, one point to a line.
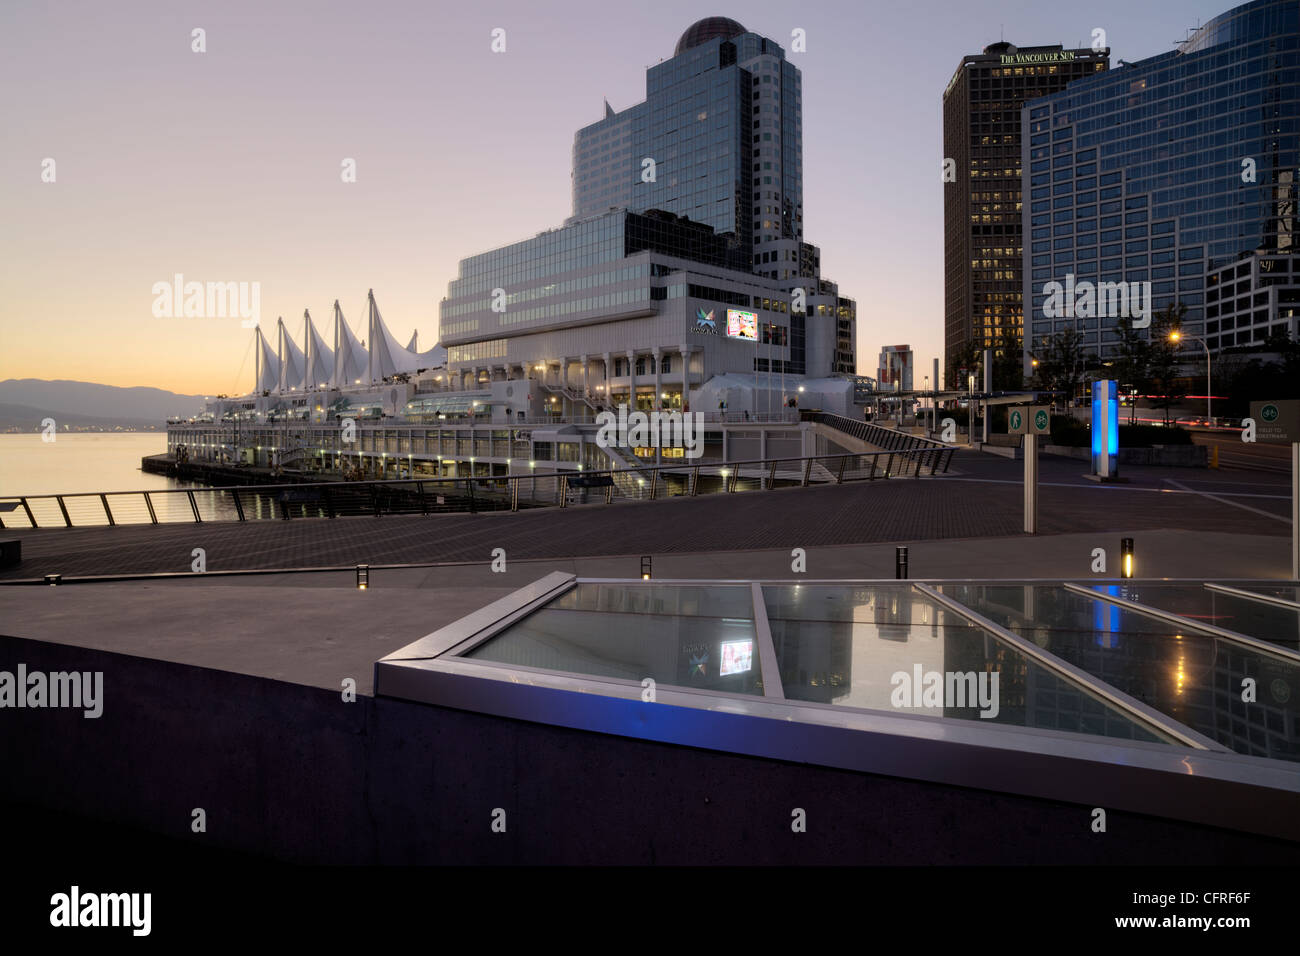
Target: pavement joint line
1095	486
1225	501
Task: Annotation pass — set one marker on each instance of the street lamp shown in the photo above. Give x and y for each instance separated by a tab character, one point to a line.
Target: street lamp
1177	336
970	413
925	389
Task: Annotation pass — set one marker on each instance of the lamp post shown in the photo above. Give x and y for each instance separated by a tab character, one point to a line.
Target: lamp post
970	413
1177	336
925	388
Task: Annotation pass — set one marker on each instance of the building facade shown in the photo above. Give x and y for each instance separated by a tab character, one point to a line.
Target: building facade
636	309
895	372
684	258
982	185
1251	300
690	289
718	139
1167	171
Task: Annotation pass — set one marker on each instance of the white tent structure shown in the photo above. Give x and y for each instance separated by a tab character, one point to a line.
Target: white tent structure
293	363
348	364
388	357
267	375
351	361
319	356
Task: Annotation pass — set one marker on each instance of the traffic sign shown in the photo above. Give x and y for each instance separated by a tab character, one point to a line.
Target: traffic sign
1276	423
1040	421
1016	421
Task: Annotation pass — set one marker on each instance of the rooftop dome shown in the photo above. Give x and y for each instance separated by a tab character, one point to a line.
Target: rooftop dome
710	28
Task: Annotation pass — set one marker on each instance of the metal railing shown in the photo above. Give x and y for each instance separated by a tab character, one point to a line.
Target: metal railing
787	416
460	495
890	439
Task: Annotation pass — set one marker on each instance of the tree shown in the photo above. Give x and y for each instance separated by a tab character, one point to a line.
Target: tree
1251	374
1008	364
968	357
1133	364
1008	368
1061	363
1165	368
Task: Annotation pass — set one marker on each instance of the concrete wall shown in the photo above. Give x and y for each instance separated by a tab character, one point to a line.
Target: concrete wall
294	773
1172	456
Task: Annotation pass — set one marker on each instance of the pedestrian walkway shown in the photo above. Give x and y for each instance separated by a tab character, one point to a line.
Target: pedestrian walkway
985	502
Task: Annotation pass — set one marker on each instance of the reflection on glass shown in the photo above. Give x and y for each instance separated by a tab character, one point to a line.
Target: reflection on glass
697	637
889	648
1197	679
1287	592
1259	619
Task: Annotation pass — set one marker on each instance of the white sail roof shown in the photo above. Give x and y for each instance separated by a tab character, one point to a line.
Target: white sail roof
292	361
267	364
351	361
388	357
320	357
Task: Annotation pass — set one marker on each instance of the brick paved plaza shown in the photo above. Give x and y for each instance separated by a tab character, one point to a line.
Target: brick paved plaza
983	501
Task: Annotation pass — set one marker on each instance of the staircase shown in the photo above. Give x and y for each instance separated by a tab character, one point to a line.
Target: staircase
572	394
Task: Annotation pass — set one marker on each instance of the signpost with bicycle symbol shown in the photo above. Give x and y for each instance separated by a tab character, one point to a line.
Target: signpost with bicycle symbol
1278	423
1030	421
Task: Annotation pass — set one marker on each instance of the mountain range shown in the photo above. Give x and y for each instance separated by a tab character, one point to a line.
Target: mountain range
25	402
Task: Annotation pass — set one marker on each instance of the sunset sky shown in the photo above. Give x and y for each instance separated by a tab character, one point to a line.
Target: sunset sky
225	165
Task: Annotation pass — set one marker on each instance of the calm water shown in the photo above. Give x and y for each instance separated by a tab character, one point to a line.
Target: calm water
86	461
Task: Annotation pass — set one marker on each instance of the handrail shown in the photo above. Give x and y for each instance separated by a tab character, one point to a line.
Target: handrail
888	438
637	482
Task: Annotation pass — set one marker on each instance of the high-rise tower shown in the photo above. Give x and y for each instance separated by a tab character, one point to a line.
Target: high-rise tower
982	202
718	140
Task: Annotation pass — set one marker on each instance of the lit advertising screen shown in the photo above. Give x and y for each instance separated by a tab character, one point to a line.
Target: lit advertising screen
737	657
742	325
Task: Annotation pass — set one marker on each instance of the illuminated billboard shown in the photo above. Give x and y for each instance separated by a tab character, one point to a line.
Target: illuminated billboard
737	657
742	325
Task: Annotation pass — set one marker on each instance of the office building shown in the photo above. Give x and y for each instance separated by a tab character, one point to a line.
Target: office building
684	259
895	371
982	187
1168	171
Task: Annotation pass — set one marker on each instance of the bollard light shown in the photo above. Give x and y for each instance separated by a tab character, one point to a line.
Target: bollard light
645	567
363	576
1126	557
53	579
900	563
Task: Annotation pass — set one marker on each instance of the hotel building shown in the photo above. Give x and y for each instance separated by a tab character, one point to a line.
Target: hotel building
681	282
982	198
1178	170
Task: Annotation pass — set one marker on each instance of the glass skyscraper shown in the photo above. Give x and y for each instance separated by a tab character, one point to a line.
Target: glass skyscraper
684	259
1165	170
718	139
982	201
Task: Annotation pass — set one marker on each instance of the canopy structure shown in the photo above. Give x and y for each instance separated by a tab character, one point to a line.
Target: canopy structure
320	357
267	367
388	357
316	365
351	361
292	361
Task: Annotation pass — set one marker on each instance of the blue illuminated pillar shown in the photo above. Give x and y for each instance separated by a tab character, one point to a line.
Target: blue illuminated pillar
1105	429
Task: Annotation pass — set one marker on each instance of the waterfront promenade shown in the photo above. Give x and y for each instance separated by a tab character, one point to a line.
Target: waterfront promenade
223	690
983	502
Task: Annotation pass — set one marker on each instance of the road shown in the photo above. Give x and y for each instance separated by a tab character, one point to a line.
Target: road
1235	453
